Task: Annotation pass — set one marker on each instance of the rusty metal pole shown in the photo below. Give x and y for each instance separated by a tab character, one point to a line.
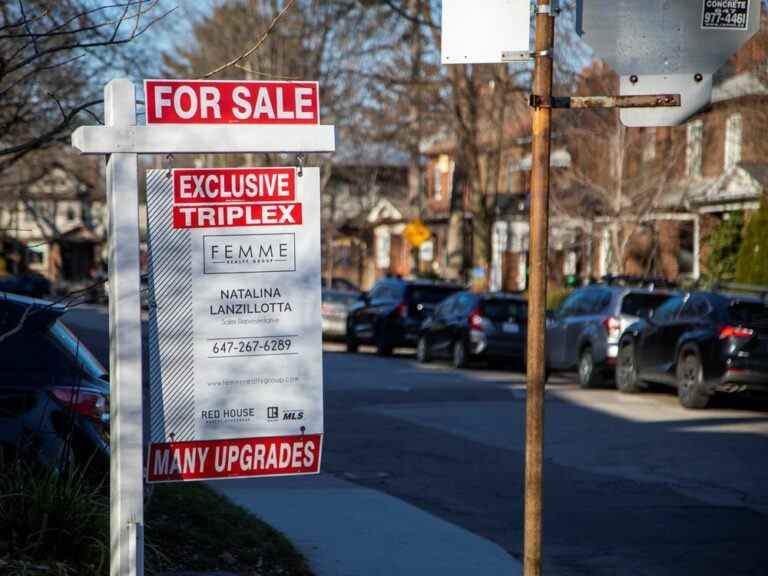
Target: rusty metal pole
537	288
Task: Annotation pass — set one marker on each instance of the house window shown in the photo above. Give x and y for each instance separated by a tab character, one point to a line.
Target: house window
732	141
71	214
649	147
383	244
437	177
693	152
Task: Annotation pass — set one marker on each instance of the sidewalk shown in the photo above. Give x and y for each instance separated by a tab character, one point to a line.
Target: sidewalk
346	530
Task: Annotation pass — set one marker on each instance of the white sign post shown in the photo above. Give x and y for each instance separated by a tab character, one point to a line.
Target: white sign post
247	117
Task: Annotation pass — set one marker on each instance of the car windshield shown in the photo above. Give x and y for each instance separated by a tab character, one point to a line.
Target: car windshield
501	309
747	312
430	294
640	304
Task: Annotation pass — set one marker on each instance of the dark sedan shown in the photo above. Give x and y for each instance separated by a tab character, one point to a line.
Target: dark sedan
54	394
473	326
702	343
391	314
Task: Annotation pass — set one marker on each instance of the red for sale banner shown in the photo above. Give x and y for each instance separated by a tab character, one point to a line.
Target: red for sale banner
231	102
237	458
217	185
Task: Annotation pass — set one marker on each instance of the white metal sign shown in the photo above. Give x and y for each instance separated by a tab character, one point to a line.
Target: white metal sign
666	47
489	31
234	327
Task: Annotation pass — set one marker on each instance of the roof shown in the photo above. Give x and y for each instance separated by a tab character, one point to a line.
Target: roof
742	183
744	84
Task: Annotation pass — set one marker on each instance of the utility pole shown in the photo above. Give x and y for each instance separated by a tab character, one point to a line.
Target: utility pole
537	290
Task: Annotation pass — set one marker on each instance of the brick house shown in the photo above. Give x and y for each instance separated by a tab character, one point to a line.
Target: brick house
638	201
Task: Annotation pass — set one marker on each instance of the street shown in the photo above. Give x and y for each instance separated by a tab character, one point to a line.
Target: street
632	484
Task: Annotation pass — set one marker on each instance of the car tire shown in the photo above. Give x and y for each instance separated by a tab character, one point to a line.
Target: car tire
589	375
459	356
422	350
627	379
690	382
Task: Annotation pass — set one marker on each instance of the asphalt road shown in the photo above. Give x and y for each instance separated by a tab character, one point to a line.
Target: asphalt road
632	484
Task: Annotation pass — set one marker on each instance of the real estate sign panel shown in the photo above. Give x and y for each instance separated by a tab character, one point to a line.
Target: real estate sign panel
235	349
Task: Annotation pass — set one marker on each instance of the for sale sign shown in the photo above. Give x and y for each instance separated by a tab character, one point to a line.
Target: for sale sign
235	329
231	102
725	15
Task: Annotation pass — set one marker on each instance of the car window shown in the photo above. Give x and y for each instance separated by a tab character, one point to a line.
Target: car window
466	303
747	312
695	307
669	309
597	301
640	304
49	360
378	291
445	307
430	294
505	310
571	304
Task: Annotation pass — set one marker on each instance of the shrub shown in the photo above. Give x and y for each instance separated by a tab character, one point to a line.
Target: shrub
724	242
752	264
58	520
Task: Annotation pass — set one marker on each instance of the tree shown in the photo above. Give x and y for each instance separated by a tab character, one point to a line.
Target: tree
752	265
724	243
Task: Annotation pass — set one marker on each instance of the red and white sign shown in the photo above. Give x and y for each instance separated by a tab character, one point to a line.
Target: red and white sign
235	197
231	102
235	458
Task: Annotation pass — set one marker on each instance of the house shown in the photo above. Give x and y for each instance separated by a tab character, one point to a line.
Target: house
629	200
56	227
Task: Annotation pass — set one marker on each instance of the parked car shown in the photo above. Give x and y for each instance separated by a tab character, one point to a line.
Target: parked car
54	394
701	343
583	333
391	314
335	307
476	326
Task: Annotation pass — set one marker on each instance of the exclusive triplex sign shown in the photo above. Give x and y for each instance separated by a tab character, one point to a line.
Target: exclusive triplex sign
235	338
231	102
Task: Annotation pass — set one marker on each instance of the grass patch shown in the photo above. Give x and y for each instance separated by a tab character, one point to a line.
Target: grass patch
191	528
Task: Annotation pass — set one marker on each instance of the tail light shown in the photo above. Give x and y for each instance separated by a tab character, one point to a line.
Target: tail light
612	326
735	332
401	310
475	320
89	403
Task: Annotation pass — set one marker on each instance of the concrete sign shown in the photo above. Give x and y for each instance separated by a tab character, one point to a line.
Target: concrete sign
234	326
666	47
490	31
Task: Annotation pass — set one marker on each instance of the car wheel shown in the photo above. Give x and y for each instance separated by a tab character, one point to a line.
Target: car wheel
459	355
690	381
589	376
627	380
422	350
351	345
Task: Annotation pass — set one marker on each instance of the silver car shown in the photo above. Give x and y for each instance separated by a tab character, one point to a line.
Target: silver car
583	333
336	304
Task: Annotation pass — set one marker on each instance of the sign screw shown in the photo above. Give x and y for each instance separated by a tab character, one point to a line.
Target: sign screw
633	78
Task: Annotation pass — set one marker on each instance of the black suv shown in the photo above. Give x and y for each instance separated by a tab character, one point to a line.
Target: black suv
469	326
391	314
583	333
54	394
700	342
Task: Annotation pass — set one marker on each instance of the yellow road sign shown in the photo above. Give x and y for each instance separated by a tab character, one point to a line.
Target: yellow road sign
417	233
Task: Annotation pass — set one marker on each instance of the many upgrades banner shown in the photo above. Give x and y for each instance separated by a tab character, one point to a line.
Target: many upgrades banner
235	343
